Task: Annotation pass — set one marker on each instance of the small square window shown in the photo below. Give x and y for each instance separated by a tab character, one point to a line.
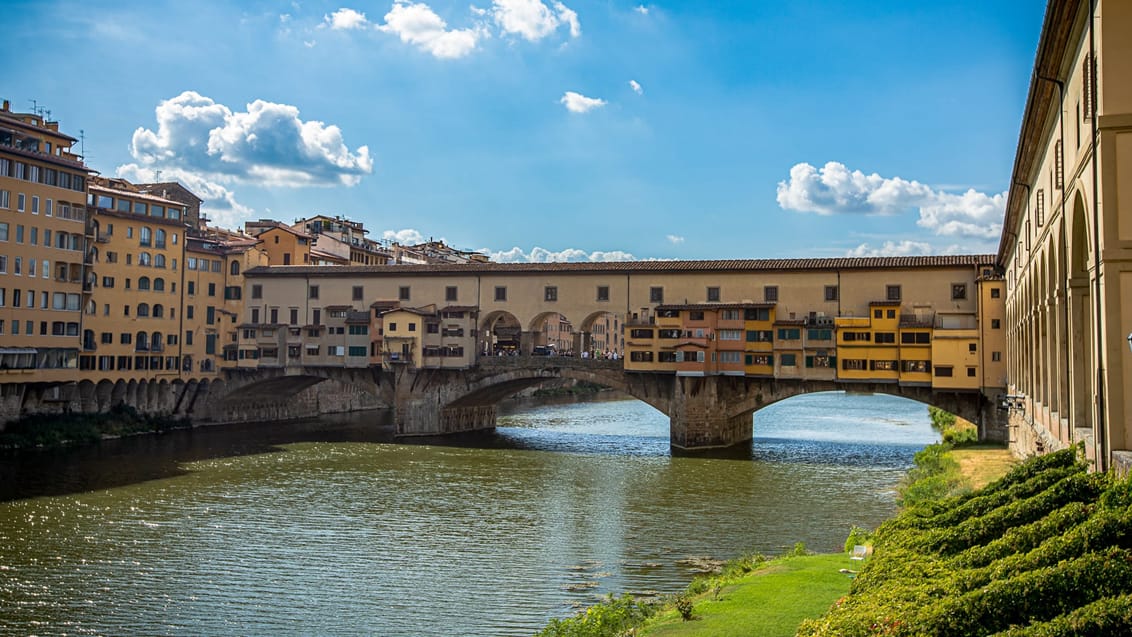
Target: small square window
357	293
313	292
500	293
603	292
831	293
890	314
996	356
958	291
550	293
450	293
403	293
770	294
257	290
995	293
656	294
713	295
996	324
878	314
892	292
971	347
971	372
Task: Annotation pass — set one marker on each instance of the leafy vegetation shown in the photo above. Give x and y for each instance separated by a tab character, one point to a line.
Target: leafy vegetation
49	431
1044	551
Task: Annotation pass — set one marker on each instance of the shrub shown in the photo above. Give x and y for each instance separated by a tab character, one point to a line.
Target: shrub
610	618
857	536
684	606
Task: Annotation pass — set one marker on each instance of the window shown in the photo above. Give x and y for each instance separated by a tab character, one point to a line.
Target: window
190	310
450	293
789	333
915	338
412	327
603	293
770	294
821	360
656	294
972	348
878	314
831	293
788	360
996	324
943	371
212	289
970	372
713	294
958	291
550	293
312	292
760	336
640	357
854	364
695	315
730	335
357	293
995	293
757	314
885	337
145	236
500	293
892	292
403	293
294	316
819	335
996	356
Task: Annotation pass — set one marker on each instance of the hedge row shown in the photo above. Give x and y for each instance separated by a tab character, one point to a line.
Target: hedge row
1045	551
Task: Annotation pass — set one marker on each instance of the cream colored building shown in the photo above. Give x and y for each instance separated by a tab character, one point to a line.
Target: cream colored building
1066	247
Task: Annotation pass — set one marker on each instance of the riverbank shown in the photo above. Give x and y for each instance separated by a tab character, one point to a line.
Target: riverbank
755	595
54	431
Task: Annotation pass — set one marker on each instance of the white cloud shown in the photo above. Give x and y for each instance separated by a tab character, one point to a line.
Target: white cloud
578	103
310	44
532	20
641	9
834	189
636	86
675	239
266	145
405	236
346	19
418	24
220	204
542	255
891	249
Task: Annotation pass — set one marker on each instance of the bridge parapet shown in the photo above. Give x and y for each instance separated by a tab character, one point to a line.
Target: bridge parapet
548	362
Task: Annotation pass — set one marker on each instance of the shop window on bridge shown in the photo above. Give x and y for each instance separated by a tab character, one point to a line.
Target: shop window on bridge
916	367
759	359
358	350
729	315
666	357
885	337
268	352
820	361
452	331
819	335
641	357
883	366
688	357
760	336
789	333
915	338
668	313
854	364
730	335
638	332
852	337
730	357
696	315
757	314
452	351
944	371
357	330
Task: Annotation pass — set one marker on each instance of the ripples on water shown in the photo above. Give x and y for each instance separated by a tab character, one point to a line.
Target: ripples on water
327	528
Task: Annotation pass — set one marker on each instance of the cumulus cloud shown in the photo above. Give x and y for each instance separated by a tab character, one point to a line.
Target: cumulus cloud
642	9
532	20
636	86
267	144
219	205
891	249
675	239
542	255
405	236
346	19
834	189
419	25
578	103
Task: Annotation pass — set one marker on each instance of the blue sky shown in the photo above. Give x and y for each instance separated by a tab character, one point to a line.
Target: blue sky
555	130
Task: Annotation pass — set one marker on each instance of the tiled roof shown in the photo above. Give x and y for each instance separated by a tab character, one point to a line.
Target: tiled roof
722	265
712	306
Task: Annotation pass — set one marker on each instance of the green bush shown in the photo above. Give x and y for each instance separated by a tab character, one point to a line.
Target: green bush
1108	616
610	618
857	536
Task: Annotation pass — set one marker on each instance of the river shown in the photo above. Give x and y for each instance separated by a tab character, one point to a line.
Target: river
331	528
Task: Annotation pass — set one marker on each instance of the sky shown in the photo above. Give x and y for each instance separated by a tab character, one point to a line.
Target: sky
538	131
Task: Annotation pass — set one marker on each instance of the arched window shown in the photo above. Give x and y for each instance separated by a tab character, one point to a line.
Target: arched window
144	259
159	260
143	310
187	364
146	236
159	239
158	310
141	342
156	343
143	283
158	284
235	269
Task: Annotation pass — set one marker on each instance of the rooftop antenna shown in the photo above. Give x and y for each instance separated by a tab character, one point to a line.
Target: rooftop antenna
82	142
157	175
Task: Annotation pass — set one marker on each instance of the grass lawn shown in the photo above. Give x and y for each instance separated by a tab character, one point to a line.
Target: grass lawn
769	602
983	464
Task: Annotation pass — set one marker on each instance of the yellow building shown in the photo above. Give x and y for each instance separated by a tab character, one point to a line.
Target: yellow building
43	257
283	244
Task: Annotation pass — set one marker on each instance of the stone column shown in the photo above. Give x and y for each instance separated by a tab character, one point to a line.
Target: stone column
703	418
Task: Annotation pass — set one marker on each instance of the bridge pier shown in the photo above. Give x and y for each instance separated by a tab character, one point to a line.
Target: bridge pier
702	413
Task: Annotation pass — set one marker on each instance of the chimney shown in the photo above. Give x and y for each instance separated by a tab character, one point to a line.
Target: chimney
7	106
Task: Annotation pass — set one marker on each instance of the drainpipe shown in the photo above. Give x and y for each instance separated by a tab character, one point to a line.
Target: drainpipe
1100	426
